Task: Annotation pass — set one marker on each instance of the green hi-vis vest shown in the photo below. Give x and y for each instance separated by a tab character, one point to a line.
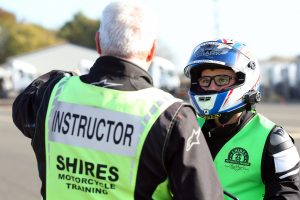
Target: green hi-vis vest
94	138
238	163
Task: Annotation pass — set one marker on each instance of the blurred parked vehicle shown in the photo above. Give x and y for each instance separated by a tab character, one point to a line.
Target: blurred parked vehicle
164	74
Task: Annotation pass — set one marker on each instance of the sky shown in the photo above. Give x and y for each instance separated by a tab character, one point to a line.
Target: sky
268	27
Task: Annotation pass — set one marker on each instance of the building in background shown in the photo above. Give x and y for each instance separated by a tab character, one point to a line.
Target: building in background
20	70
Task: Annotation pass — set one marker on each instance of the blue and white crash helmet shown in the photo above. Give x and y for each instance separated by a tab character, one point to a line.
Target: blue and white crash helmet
226	54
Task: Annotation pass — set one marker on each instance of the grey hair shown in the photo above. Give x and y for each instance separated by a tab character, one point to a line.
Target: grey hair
128	29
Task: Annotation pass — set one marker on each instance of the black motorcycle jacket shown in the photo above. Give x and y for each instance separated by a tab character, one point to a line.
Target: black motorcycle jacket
164	152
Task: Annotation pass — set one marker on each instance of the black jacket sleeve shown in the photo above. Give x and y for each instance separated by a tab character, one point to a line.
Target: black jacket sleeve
281	167
27	103
192	171
175	149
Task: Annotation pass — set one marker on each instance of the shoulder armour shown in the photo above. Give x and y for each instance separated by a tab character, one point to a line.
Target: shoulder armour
279	140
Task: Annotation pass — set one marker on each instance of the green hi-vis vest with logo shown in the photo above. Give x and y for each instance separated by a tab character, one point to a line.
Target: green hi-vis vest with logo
94	138
238	163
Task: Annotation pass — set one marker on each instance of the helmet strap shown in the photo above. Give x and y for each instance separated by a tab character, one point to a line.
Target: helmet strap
223	119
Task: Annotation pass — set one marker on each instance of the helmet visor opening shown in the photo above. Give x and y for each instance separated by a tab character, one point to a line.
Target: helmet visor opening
220	80
199	82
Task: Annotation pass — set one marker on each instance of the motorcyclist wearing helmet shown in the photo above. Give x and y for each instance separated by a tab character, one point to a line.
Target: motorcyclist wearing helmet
254	157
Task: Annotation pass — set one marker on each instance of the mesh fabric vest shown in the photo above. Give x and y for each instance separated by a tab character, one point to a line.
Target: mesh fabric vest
238	163
94	138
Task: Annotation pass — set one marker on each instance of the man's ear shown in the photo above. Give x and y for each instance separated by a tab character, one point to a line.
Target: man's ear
97	40
151	52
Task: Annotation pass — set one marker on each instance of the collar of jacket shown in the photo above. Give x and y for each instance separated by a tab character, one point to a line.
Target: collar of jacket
230	130
118	70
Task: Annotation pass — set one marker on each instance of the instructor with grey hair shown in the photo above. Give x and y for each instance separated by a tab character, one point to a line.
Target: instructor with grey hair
110	134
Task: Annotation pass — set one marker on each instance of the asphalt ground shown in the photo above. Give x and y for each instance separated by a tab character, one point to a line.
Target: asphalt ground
18	171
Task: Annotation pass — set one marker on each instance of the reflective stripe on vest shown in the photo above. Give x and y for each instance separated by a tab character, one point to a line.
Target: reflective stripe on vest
238	163
94	138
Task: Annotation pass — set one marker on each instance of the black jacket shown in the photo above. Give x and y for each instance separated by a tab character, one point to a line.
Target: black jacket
281	181
191	173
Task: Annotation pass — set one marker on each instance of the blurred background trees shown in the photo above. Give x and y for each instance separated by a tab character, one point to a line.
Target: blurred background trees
81	31
19	38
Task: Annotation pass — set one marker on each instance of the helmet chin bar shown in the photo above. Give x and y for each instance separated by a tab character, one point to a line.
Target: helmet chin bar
250	98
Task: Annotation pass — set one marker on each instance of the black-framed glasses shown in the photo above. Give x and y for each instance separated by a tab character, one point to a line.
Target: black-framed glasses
220	80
